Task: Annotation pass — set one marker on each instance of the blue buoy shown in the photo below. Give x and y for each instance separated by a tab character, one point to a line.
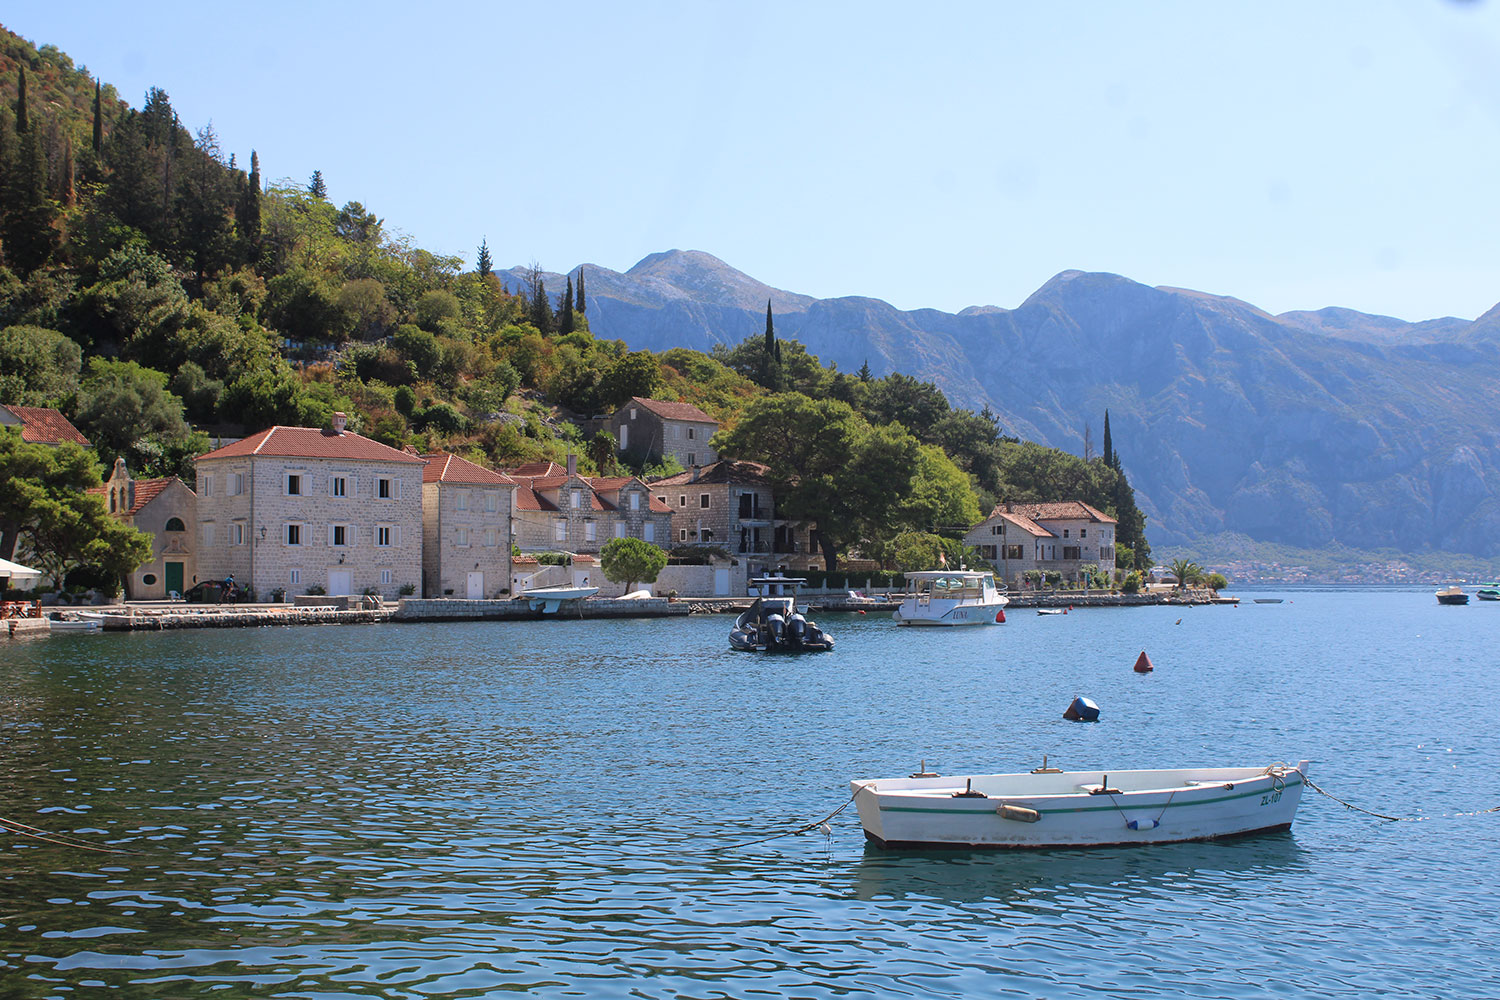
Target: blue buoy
1082	710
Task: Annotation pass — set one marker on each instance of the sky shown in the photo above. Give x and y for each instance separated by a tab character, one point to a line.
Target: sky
1294	155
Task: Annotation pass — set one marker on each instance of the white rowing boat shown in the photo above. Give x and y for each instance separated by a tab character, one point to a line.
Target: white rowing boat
1052	808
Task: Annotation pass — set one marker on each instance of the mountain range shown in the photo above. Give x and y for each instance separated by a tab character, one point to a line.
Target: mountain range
1309	429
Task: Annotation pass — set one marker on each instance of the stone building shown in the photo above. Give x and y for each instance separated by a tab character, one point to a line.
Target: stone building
730	505
654	428
293	508
1058	537
167	510
568	512
466	524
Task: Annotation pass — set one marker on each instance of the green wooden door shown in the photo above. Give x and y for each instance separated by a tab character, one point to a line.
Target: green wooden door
174	577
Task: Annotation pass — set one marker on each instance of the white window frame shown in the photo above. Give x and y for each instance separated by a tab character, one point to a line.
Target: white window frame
489	537
648	531
703	501
588	531
206	485
560	530
384	534
294	577
333	534
206	534
491	501
391	485
619	529
576	498
338	486
386	577
287	530
461	537
635	501
461	497
234	484
237	533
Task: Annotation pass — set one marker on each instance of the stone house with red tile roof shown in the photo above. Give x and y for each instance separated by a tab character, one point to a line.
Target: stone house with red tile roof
580	514
167	510
296	507
731	505
1061	537
41	425
654	428
466	526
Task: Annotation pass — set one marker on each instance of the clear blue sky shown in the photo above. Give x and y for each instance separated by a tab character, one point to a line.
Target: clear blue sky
1292	154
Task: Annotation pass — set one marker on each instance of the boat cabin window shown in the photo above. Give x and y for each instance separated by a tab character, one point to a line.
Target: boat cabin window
954	587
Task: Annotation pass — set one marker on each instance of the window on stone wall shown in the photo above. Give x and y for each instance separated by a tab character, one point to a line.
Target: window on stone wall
703	501
293	484
339	486
588	531
294	577
294	534
385	576
175	524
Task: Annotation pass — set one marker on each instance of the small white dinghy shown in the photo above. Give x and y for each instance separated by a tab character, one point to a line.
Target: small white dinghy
1052	808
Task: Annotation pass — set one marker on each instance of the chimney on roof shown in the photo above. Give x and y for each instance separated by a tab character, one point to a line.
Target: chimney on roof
572	464
695	473
340	419
1010	508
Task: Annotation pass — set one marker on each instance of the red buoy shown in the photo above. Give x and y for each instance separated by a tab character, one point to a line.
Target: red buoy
1000	617
1143	663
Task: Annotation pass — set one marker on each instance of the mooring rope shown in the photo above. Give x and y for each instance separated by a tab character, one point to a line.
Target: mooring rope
60	839
792	833
1394	819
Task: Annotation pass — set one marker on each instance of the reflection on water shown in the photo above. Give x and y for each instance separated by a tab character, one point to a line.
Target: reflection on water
474	810
1215	869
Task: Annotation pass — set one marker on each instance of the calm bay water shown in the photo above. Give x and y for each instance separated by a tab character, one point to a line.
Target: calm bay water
473	810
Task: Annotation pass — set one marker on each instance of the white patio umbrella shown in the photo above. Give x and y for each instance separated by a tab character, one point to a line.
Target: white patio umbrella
17	572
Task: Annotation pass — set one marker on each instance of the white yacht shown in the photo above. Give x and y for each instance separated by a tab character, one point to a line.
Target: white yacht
951	597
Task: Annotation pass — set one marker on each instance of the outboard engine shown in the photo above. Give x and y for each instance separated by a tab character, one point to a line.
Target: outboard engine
796	630
777	627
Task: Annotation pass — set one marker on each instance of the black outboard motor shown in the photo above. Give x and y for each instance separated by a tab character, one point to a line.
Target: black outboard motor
796	630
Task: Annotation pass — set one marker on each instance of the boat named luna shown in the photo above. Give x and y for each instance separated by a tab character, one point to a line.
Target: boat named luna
950	597
1052	808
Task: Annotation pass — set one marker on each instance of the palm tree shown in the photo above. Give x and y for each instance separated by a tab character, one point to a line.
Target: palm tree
1187	572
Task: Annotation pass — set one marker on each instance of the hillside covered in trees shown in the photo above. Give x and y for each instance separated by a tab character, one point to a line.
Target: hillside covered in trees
161	292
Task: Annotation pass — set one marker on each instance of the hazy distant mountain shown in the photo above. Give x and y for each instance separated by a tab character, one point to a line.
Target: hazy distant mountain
1309	428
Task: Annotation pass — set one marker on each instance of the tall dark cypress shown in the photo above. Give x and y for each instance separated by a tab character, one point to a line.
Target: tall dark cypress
565	309
23	122
98	121
247	214
483	264
582	306
770	331
1109	448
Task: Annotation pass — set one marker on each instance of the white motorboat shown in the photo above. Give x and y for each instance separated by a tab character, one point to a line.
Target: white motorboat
773	624
1052	808
951	597
76	622
548	600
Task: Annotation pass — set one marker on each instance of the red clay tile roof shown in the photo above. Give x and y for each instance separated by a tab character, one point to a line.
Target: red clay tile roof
147	490
443	467
1065	510
673	411
723	471
312	442
1026	524
529	499
44	425
536	470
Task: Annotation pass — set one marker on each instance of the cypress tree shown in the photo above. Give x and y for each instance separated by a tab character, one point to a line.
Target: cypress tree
483	264
23	122
28	212
98	121
565	309
66	190
770	332
541	308
247	214
1109	448
582	303
316	187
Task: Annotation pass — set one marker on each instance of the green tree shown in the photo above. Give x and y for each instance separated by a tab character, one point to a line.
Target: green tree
827	465
128	411
247	214
942	498
38	367
582	307
628	560
637	373
1187	573
419	347
23	116
98	137
45	507
28	213
437	309
205	205
1109	445
604	451
483	265
565	309
316	187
